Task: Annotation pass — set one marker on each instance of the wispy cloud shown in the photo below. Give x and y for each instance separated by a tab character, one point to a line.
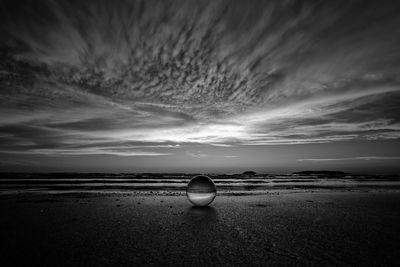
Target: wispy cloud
19	163
352	158
86	151
215	73
196	154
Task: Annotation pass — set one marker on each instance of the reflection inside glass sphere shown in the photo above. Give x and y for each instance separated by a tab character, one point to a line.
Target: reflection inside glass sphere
201	190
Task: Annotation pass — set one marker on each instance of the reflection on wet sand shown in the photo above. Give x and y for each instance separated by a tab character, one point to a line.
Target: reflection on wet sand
201	216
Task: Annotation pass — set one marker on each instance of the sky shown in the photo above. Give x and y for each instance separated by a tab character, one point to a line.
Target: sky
200	86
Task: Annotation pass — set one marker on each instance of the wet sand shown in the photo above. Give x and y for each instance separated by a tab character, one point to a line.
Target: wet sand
276	228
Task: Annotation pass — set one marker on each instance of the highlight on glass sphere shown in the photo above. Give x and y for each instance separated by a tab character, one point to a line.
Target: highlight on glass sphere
201	190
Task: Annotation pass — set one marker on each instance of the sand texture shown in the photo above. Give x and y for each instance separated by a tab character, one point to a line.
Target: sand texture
277	228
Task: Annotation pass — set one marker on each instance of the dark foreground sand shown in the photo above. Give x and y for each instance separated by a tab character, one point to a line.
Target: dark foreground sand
286	228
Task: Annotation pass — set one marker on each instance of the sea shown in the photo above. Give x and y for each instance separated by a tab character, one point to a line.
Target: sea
177	182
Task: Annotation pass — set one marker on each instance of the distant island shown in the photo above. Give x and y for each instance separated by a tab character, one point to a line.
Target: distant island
249	173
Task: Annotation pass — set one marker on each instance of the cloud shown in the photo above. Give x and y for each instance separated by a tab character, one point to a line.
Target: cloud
19	163
87	151
196	154
92	77
352	158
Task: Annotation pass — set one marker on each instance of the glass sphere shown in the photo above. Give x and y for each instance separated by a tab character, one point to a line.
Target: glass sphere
201	190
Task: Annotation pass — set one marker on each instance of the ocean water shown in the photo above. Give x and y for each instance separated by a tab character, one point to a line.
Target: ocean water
103	182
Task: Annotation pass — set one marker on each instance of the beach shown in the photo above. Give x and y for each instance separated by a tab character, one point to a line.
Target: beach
279	227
